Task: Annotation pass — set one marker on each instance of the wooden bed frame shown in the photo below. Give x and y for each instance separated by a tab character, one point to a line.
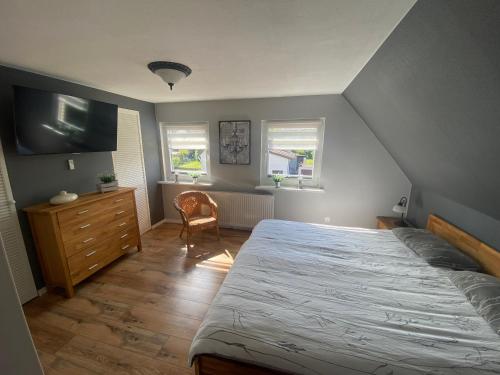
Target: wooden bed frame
487	256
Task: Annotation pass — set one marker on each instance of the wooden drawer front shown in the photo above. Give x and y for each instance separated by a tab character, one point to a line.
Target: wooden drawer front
83	265
119	212
81	243
101	224
78	215
103	233
129	241
123	223
89	227
128	236
88	257
92	259
71	220
120	200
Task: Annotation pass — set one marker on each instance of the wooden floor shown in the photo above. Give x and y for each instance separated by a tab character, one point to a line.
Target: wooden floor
138	315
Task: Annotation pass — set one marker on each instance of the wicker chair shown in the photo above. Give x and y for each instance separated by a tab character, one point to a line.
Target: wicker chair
198	212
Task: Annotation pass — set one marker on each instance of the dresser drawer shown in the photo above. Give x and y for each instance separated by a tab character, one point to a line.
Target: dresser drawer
128	236
84	228
78	214
93	258
105	210
88	257
123	223
120	200
84	242
125	227
106	219
119	212
90	261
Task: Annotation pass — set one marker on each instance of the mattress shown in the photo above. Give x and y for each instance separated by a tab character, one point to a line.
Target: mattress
315	299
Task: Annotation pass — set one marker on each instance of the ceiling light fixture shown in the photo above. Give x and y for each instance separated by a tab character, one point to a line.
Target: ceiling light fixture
170	72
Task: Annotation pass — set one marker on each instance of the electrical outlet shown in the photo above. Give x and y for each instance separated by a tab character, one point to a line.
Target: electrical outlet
327	219
71	164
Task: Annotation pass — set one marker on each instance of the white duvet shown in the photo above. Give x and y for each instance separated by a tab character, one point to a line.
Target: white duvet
313	299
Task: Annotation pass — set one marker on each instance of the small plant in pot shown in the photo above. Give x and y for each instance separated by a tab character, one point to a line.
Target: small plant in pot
108	182
195	176
277	180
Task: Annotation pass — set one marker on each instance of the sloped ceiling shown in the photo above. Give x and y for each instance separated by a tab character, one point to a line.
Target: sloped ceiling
431	94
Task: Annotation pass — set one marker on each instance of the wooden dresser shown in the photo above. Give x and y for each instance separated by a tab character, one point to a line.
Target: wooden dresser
77	239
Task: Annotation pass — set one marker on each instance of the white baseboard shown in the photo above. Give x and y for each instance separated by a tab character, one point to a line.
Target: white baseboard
173	221
156	225
42	291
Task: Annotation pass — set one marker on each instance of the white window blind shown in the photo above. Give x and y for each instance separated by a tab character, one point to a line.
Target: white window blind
187	136
293	149
293	135
185	148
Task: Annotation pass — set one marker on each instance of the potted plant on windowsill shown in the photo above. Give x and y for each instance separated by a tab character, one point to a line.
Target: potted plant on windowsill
108	182
277	180
195	177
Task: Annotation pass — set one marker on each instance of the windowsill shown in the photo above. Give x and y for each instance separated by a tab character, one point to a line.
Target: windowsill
272	188
186	183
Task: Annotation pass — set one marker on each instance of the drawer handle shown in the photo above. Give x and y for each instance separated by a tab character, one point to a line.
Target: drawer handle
122	224
94	266
125	247
88	240
118	200
91	253
120	212
85	226
125	235
82	212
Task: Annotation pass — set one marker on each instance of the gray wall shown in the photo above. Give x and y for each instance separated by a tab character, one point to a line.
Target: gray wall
35	179
424	202
17	352
431	95
360	178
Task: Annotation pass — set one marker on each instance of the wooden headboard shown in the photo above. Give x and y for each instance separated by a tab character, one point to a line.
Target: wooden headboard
485	255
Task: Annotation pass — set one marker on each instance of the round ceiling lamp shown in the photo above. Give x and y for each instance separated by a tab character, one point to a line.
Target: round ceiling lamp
170	72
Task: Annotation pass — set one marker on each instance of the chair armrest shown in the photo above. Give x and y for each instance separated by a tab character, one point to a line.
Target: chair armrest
184	216
213	207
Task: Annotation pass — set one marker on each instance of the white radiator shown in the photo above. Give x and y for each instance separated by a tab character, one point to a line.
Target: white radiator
242	210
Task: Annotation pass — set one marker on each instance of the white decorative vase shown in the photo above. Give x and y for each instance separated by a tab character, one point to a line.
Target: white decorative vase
63	197
195	180
277	183
105	187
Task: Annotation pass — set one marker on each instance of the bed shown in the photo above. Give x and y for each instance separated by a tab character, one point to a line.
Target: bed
313	299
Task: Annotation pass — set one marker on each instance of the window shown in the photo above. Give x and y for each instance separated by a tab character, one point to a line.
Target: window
185	148
292	149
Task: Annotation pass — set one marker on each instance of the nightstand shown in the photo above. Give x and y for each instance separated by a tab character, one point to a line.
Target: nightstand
388	222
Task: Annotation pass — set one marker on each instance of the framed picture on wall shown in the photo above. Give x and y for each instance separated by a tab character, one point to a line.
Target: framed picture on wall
234	142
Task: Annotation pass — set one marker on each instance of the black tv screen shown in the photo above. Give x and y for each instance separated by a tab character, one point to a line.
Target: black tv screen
51	123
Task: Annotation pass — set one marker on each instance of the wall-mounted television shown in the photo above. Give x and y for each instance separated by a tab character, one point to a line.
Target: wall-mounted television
52	123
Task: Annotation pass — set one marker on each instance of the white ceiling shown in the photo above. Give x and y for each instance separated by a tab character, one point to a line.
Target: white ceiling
236	48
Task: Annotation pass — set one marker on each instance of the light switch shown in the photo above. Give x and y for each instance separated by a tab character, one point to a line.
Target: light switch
71	164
